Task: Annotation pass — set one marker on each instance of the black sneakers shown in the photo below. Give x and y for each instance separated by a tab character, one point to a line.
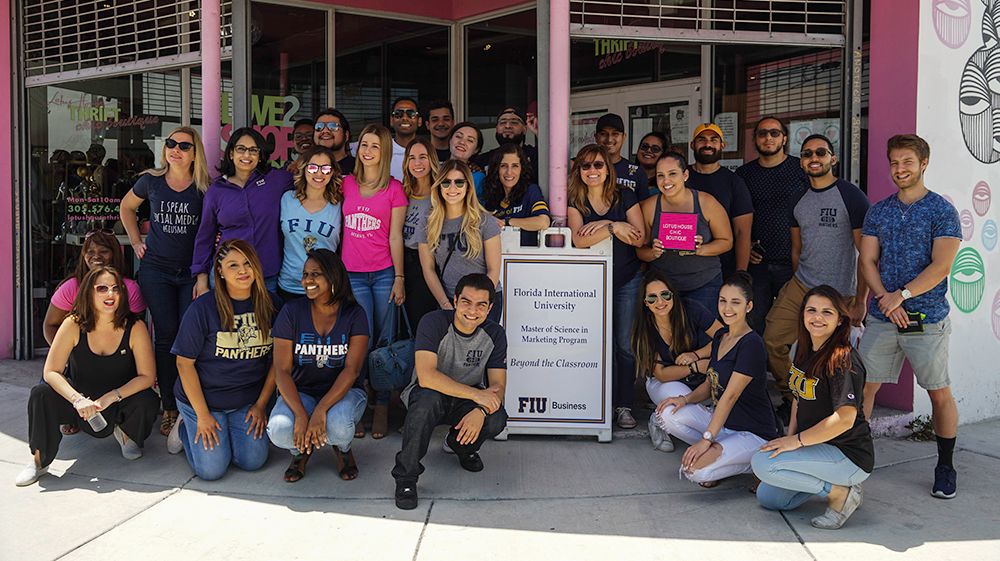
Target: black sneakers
945	482
406	496
471	462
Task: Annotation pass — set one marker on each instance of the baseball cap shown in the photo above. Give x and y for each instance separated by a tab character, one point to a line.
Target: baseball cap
707	127
610	120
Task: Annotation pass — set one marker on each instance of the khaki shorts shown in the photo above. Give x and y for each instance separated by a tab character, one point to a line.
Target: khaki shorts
883	348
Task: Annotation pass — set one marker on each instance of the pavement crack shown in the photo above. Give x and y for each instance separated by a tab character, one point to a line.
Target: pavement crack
427	521
797	535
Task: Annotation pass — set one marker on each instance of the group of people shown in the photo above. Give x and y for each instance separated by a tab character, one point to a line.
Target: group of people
269	279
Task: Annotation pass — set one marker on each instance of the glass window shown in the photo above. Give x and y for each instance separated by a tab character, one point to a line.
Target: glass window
501	64
603	63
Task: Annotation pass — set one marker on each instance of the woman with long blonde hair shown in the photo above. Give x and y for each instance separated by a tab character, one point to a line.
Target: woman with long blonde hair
310	216
420	171
175	191
223	354
599	209
374	210
461	237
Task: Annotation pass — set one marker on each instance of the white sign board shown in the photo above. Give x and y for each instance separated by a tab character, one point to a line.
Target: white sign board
557	315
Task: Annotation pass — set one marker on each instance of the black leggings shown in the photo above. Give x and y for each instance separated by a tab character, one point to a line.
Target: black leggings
47	410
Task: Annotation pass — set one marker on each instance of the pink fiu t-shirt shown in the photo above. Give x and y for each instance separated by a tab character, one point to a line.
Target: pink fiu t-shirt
66	294
366	226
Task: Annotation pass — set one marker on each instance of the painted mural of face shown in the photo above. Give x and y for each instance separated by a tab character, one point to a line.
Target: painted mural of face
968	280
981	198
968	224
979	92
989	235
952	21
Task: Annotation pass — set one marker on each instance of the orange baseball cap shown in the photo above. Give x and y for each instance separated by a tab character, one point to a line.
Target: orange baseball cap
707	127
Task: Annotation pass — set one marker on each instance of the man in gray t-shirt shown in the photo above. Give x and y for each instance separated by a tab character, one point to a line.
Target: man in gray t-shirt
825	231
460	375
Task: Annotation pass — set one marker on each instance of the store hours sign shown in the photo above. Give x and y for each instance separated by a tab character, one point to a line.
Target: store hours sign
557	318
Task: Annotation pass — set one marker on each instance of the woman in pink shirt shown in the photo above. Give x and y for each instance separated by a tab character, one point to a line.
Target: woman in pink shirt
374	210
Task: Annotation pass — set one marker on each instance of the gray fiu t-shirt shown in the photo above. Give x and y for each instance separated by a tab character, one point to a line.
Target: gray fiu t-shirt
454	242
463	358
416	221
826	219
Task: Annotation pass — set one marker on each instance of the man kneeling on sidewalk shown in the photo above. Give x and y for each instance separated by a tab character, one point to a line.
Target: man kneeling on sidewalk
460	375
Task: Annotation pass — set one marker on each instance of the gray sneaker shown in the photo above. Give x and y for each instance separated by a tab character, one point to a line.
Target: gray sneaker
661	440
833	520
174	443
624	418
130	450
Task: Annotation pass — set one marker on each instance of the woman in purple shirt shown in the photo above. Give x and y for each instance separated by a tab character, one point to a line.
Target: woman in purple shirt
243	203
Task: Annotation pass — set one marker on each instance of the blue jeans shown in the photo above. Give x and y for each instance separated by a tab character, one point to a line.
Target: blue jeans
372	291
340	420
167	293
794	477
623	368
235	445
707	295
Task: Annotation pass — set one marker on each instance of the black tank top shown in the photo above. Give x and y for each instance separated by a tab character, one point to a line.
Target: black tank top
687	271
94	375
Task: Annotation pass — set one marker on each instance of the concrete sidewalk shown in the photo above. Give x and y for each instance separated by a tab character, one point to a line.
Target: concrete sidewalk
539	498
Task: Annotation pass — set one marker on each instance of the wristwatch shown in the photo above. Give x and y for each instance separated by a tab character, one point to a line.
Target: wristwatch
707	435
506	221
905	293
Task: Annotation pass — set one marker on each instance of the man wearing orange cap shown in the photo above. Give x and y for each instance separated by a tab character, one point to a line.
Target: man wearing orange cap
728	188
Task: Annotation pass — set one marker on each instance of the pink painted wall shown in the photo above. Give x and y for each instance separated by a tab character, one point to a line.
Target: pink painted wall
6	190
441	9
892	110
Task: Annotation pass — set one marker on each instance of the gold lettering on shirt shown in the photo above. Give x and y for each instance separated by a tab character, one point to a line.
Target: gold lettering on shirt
245	342
802	386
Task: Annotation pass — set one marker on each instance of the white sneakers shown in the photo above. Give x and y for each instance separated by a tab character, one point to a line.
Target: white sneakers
130	450
661	440
174	443
30	474
833	520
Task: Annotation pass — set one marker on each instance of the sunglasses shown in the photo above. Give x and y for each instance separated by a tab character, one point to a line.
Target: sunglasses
104	289
326	169
773	133
821	152
596	164
252	150
411	113
99	231
184	146
651	148
334	126
460	183
664	295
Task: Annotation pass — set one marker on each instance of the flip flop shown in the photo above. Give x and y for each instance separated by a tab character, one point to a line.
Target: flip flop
68	430
346	465
297	469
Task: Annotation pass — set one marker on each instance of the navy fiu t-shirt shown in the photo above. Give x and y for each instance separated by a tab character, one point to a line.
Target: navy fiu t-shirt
318	359
753	411
231	365
173	221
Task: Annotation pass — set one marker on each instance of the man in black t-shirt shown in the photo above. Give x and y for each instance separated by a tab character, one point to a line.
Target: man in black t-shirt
773	180
611	134
709	176
460	375
440	120
512	124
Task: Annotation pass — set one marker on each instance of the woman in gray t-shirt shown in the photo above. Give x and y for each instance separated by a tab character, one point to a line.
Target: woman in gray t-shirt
460	236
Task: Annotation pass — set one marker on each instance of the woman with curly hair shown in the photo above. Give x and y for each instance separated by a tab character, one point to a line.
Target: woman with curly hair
511	196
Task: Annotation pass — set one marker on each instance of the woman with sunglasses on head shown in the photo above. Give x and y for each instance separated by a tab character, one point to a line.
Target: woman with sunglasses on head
466	141
598	209
320	345
175	193
651	147
461	238
420	171
512	198
829	450
100	369
666	328
374	211
224	359
725	436
243	203
310	217
697	274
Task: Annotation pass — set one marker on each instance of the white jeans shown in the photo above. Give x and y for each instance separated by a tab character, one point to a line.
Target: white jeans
691	421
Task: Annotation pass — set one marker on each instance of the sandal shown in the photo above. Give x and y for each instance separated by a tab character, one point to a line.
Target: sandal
297	469
709	484
359	430
167	421
346	465
68	430
380	422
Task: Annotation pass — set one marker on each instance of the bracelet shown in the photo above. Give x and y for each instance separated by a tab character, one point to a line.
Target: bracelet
118	395
483	409
400	276
798	435
611	228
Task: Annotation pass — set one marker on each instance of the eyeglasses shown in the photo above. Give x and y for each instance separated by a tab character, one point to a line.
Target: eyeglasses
252	150
460	183
184	146
104	231
664	295
411	113
334	126
651	148
104	289
821	152
596	164
326	169
773	133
